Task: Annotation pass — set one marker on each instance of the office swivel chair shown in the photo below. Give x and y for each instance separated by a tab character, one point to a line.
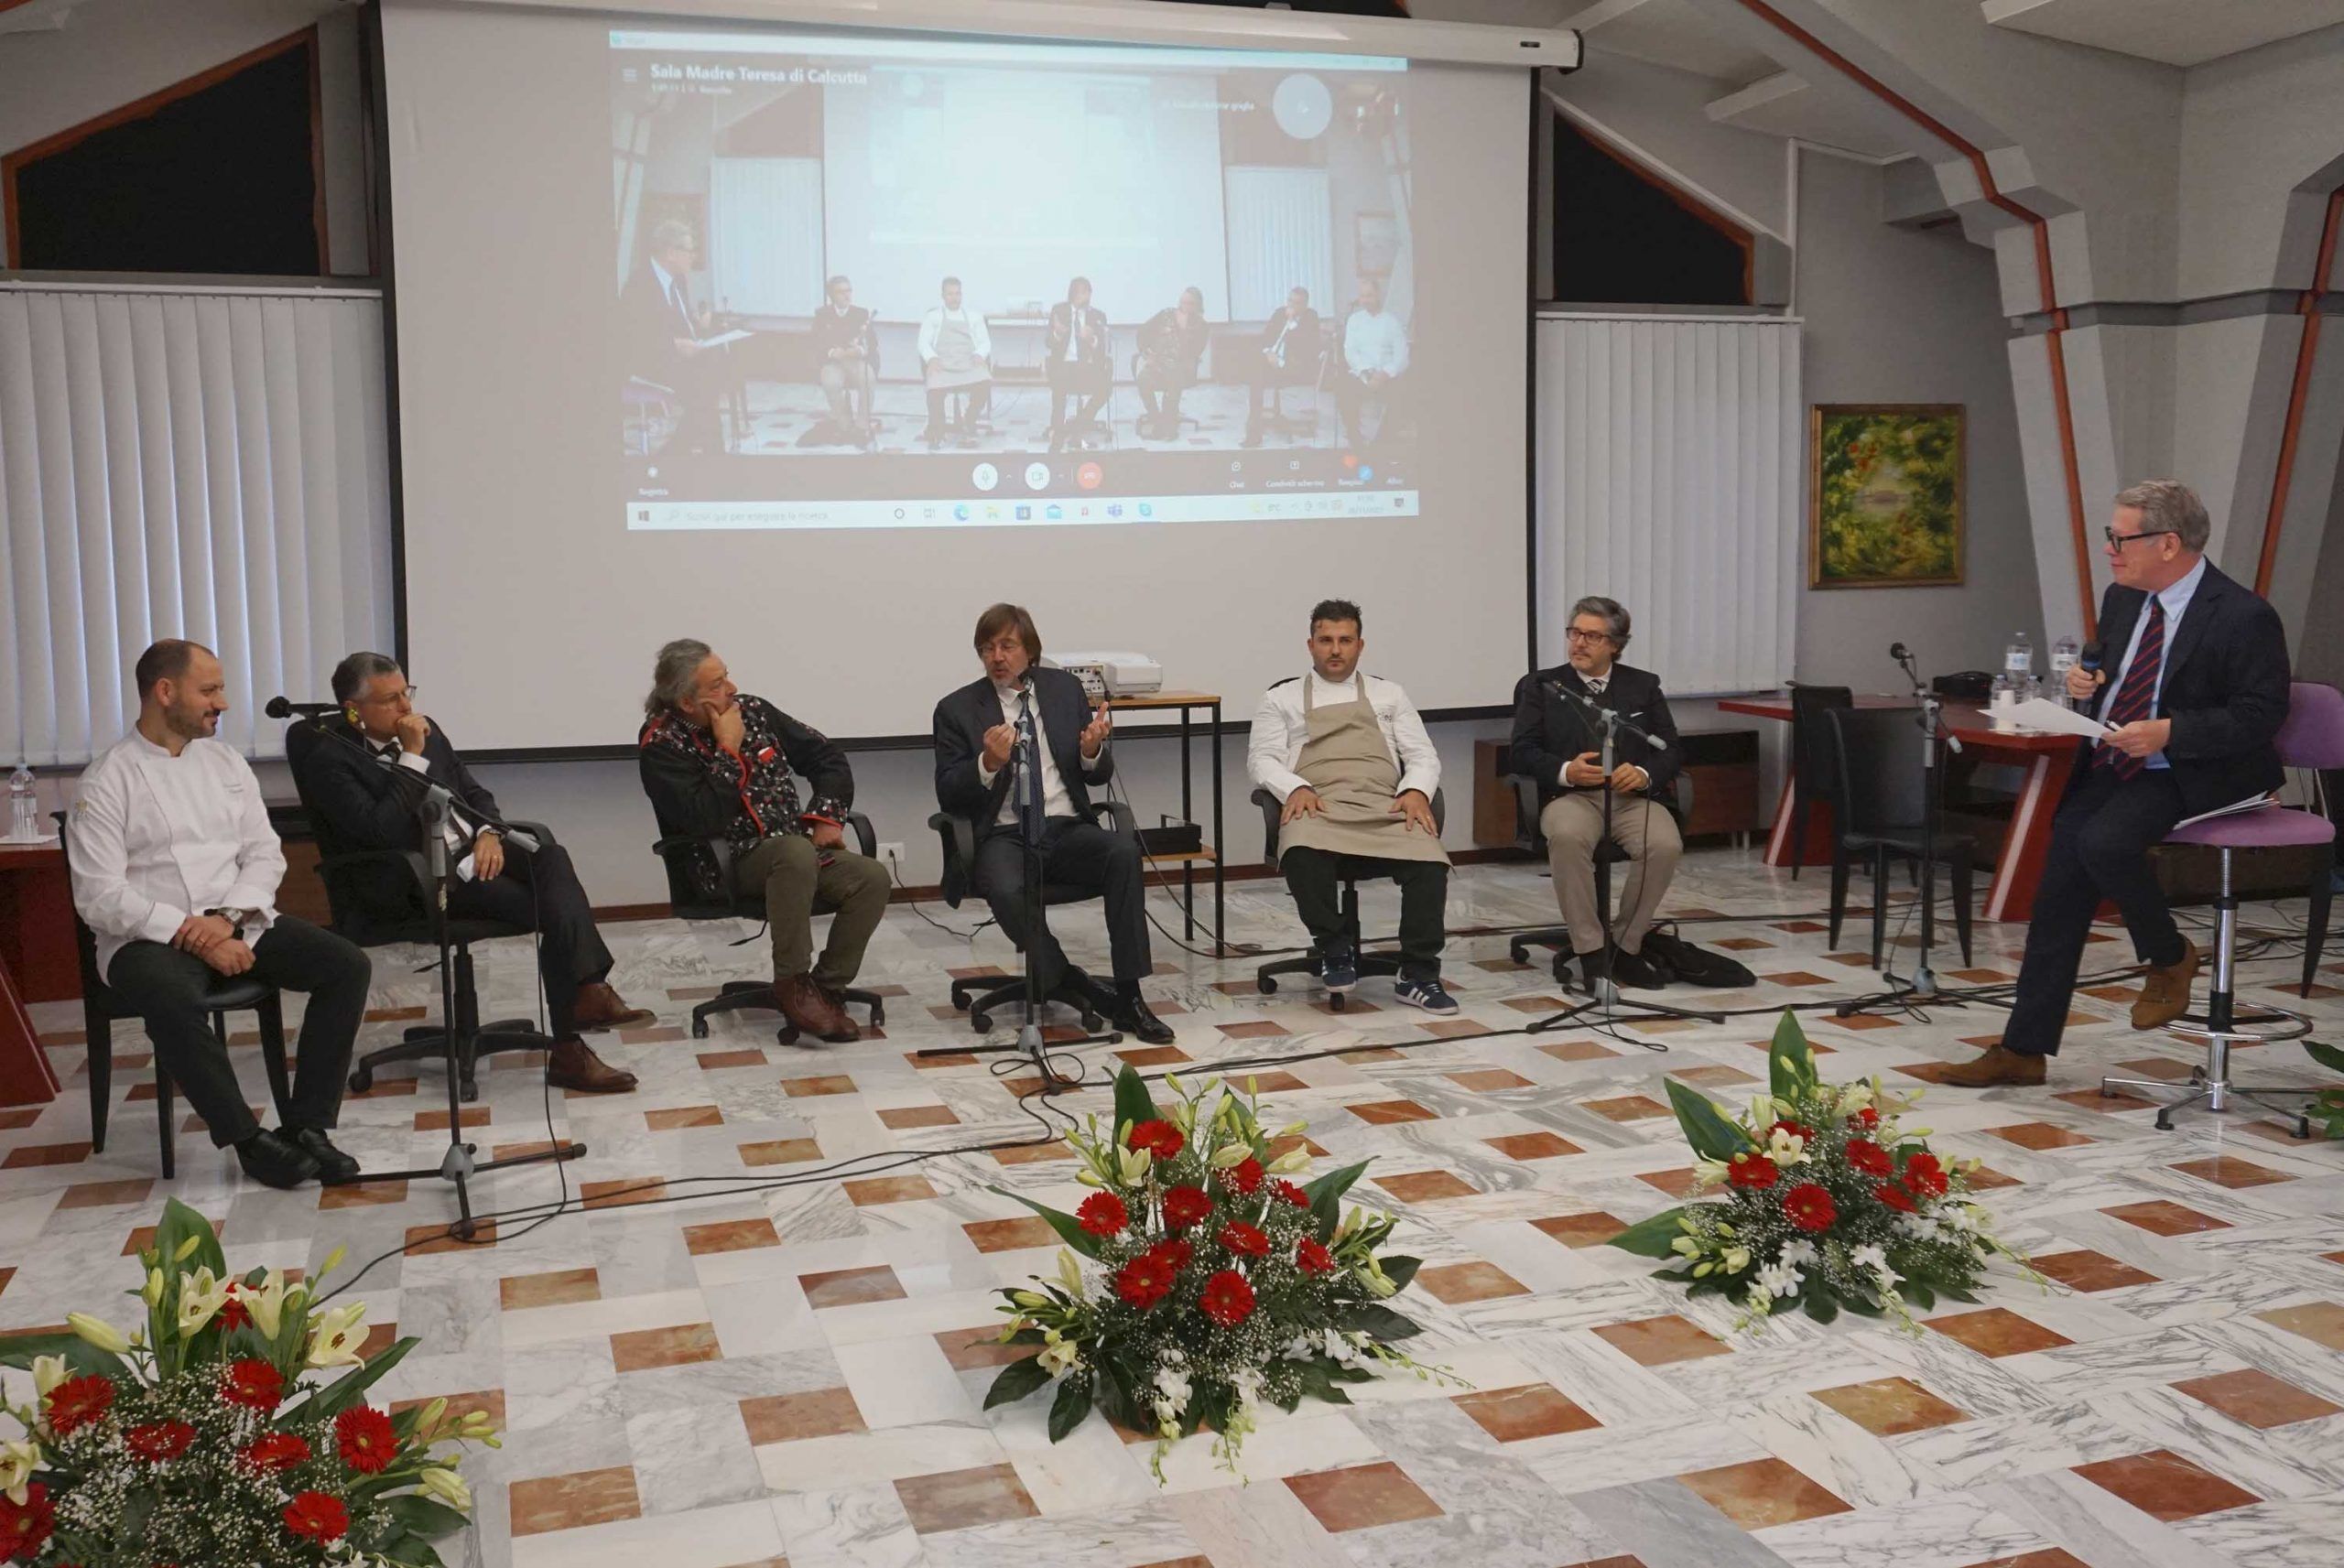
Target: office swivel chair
1378	961
983	995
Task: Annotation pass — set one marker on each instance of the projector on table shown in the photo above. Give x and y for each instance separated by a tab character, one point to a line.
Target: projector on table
1112	674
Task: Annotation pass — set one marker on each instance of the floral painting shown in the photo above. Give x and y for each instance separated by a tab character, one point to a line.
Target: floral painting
1885	495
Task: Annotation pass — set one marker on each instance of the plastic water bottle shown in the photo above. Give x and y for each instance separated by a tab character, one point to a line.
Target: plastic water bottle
24	807
2066	654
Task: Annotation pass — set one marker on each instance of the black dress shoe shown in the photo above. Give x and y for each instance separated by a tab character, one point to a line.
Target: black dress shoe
274	1161
333	1165
1633	969
1131	1015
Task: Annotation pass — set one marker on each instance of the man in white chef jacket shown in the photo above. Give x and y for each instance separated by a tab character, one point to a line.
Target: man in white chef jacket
176	870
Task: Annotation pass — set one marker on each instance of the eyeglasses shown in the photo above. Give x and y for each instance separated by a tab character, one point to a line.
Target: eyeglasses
1574	634
388	698
2117	540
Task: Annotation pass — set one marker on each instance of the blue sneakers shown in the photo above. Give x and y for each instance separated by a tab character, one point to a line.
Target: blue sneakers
1339	968
1426	994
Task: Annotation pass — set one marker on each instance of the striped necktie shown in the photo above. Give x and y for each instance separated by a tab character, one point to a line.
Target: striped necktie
2137	696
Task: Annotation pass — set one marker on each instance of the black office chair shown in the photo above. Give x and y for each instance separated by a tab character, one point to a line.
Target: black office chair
1812	782
980	996
1179	421
1607	855
101	1008
694	894
1881	804
1278	421
341	869
1371	961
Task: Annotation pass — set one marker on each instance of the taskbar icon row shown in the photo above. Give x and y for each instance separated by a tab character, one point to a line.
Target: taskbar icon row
957	513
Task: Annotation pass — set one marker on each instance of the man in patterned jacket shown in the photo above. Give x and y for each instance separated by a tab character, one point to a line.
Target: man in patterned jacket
717	763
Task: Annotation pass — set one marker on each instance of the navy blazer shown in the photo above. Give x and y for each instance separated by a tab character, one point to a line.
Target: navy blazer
2226	688
355	802
964	716
1549	731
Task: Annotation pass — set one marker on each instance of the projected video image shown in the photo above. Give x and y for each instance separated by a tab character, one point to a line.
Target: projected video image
911	282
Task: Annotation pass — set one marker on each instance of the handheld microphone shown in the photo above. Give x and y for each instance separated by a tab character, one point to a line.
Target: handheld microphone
1899	651
281	708
2089	659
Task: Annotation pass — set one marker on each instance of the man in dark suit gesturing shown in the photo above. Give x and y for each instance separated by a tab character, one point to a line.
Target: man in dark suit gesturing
362	805
980	773
2194	691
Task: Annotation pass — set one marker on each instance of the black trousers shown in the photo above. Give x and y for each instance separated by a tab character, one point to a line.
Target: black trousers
1084	384
2100	850
1315	877
1351	398
1077	854
1160	395
979	395
572	954
167	986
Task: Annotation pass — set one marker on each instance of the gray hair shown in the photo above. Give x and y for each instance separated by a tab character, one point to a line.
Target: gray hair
1615	618
674	675
669	232
2167	505
350	675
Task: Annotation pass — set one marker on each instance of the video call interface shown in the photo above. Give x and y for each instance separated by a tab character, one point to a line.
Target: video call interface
901	282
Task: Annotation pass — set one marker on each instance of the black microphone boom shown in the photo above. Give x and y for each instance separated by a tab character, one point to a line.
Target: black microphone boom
284	708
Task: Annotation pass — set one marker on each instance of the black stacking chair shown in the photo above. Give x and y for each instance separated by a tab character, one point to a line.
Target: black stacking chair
1371	961
982	995
1812	781
1881	807
1607	855
101	1008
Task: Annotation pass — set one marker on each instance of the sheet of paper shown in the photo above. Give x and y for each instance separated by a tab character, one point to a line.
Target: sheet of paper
2040	713
721	339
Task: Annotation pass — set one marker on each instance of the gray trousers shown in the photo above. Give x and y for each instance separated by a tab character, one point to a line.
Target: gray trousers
1573	824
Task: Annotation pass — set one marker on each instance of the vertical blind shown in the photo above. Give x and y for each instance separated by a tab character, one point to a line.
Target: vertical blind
179	462
1280	228
1669	479
767	258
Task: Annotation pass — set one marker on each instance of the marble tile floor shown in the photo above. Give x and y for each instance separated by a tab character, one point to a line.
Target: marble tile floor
762	1335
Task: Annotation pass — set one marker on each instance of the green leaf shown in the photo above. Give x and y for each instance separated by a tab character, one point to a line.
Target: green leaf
1401	1272
1132	1103
1069	1228
1864	1306
1706	1127
1069	1409
1017	1381
82	1356
1920	1295
426	1517
1114	1401
1380	1320
1326	1196
1652	1238
178	1223
1819	1305
2328	1056
1956	1293
347	1389
1790	1061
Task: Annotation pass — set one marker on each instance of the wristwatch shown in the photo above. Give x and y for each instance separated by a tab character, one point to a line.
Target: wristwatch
235	919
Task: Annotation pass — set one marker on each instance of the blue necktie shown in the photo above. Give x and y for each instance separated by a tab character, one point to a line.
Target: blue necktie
1029	786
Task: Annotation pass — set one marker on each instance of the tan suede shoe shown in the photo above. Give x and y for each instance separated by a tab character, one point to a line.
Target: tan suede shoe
2165	990
1994	1067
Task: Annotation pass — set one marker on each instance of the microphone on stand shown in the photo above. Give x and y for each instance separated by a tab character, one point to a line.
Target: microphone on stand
1613	715
281	708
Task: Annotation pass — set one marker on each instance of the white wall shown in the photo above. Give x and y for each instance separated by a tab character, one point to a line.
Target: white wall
2254	129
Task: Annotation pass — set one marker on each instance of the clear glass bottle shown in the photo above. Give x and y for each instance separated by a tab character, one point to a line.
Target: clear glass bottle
2066	654
23	805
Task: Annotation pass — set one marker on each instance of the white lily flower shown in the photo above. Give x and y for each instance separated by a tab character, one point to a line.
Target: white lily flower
1069	1274
1231	1155
447	1486
152	1292
1737	1259
335	1335
201	1298
18	1459
1057	1358
1799	1254
1136	1165
48	1372
97	1332
1708	1172
1779	1279
1786	1149
1295	1158
1874	1257
1686	1246
265	1302
1029	1298
1855	1095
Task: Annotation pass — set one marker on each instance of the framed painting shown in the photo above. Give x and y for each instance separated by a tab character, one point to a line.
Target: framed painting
1884	495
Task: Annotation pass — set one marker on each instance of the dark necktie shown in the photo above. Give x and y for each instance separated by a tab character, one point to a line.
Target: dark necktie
2137	696
683	305
1029	784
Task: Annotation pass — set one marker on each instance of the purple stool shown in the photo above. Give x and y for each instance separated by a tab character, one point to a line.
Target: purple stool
2312	737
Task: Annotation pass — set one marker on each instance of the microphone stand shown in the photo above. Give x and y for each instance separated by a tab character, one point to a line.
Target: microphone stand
1603	999
1922	985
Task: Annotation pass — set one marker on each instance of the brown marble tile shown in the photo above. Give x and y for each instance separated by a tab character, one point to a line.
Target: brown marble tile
17	1117
662	1034
869	1190
1677	1181
422	1240
2229	1171
715	1061
2319	1322
1618	1561
2086	1270
957	1500
1657	1341
2166	1487
903	1118
641	1349
851	1287
694	993
1425	1187
557	1287
623	1192
1292	1141
1626	1108
1890	1407
1997	1332
1985	1179
383	1089
2049	1557
1362	1497
28	1155
1011	1234
1457	1284
1353	1004
1983	977
1763	1493
108	1194
730	1235
1032	1153
437	1121
681	1117
1714	1076
1154	1055
820	1084
1384	1113
2039	1135
781	1152
1742	944
1801	927
1256	1029
969	1349
1866	1021
1536	1410
2161	1217
786	1418
1534	1146
2111	1104
567	1502
1367	1054
394	1014
1271	1083
1489	1080
1452	1028
1592	1228
1539	1006
1795	978
1577	1051
364	1194
522	1150
2164	1068
2256	1399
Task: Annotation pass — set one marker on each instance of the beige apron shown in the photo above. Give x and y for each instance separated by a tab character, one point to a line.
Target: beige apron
956	356
1346	761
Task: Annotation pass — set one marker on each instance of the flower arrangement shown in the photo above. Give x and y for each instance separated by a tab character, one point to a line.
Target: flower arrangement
2327	1107
1218	1283
211	1436
1830	1203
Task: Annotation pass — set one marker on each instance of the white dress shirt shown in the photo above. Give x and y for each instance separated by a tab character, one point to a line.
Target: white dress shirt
1056	802
2176	597
158	839
1280	728
456	828
1375	341
931	326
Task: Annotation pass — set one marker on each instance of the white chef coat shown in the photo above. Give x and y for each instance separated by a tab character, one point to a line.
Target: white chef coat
158	839
1280	729
1376	342
933	325
1055	801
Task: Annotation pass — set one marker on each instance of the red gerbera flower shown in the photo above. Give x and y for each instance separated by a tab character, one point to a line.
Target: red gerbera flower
317	1517
1311	1257
1809	1207
364	1437
1287	1192
159	1441
1797	1129
1184	1207
25	1526
1869	1157
1146	1280
1894	1196
277	1451
1750	1169
77	1401
1244	1177
232	1314
1923	1175
1228	1299
1160	1139
1103	1214
1868	1117
253	1383
1244	1240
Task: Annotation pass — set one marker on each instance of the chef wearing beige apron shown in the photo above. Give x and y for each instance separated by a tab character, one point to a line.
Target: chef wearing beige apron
1348	755
955	355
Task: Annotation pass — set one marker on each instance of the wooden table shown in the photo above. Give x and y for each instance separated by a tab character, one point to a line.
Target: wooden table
2048	760
39	962
1209	853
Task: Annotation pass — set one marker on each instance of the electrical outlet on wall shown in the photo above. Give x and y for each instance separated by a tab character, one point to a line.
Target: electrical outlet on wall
891	857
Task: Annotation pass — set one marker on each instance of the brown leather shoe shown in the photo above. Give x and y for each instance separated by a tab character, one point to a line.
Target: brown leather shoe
572	1065
807	1005
2165	990
598	1007
1995	1065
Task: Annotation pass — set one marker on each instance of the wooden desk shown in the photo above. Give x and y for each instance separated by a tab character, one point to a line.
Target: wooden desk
39	962
2049	762
1187	702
